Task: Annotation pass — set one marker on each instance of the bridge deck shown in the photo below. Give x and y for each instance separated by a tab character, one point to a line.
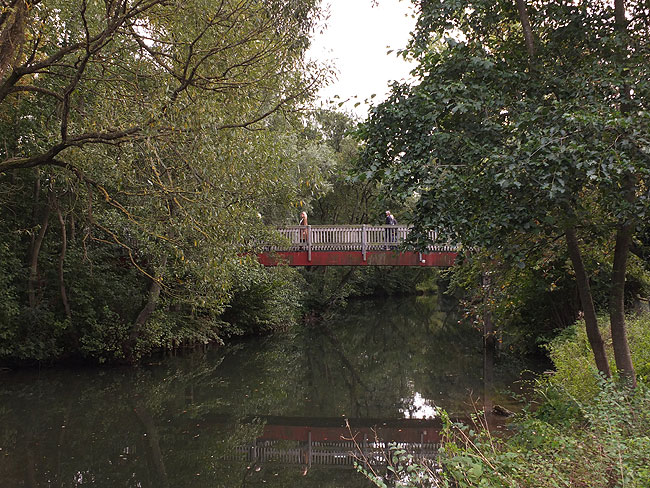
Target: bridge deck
349	245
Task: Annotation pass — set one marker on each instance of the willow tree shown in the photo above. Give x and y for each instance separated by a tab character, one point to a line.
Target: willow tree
528	122
149	127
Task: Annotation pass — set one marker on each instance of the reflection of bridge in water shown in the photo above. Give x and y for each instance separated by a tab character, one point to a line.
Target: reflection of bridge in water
330	442
354	245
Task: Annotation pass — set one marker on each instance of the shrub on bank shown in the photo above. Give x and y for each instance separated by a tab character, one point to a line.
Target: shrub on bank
603	443
574	363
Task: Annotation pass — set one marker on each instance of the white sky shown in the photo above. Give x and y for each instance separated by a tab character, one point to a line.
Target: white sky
355	41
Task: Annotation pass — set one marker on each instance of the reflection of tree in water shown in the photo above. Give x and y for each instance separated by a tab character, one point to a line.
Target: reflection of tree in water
116	428
178	423
172	425
389	352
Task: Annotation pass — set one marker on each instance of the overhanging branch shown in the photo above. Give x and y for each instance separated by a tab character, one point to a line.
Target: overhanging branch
48	157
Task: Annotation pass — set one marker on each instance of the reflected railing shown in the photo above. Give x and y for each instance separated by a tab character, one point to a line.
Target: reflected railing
332	453
331	442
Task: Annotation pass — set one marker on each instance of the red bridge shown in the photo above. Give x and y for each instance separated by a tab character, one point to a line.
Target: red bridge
349	245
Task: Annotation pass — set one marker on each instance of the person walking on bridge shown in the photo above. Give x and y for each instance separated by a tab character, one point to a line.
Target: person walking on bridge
304	231
391	234
390	218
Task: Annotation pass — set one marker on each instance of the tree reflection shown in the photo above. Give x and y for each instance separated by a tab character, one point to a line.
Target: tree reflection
185	420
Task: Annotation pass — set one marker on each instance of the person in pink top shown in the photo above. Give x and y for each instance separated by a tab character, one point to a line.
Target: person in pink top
304	224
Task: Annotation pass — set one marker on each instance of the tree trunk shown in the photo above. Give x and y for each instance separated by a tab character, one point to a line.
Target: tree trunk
150	306
143	317
489	336
153	443
33	258
12	32
64	246
588	309
619	15
528	31
624	233
622	354
489	349
73	228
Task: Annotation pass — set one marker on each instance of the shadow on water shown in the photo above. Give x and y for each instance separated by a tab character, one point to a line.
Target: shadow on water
265	412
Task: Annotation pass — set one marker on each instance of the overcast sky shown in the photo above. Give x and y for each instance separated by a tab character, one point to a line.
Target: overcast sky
355	41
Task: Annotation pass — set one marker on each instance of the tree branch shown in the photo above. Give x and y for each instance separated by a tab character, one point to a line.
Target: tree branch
48	157
35	89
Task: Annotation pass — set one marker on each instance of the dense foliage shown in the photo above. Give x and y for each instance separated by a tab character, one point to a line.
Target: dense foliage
139	144
570	355
604	443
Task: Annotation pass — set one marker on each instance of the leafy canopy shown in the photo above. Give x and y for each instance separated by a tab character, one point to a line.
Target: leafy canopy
497	144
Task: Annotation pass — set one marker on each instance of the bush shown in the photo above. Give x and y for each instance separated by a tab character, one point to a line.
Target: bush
573	359
263	300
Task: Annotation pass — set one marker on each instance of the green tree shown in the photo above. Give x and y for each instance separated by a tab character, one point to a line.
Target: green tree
528	124
142	139
344	200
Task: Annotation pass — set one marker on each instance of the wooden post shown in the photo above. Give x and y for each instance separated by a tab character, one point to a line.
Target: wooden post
489	347
364	448
364	241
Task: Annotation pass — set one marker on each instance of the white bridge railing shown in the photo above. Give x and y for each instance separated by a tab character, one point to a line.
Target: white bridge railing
361	238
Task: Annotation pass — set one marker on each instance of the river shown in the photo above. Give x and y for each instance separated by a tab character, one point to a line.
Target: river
262	412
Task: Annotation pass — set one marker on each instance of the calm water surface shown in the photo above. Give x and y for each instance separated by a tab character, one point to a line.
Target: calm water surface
267	412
